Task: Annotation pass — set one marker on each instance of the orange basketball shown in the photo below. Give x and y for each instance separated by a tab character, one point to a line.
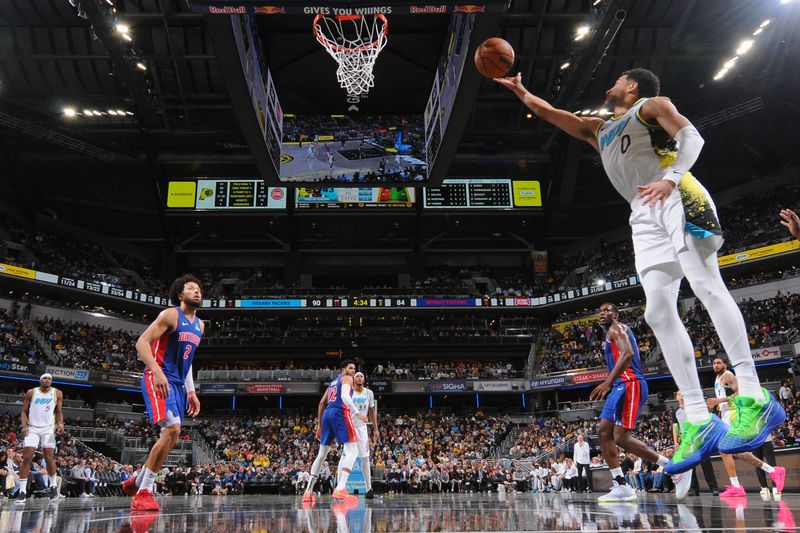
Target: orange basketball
494	57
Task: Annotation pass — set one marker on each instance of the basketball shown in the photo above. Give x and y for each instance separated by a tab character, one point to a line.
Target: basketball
494	57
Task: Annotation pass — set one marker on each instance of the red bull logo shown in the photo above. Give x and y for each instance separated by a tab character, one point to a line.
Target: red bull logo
470	9
270	10
415	10
227	10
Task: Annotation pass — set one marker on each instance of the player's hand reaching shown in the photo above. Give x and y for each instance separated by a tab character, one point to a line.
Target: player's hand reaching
194	405
513	83
791	221
654	194
24	431
600	391
160	384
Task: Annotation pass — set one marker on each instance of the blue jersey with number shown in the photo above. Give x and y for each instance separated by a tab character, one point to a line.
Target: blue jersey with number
174	350
612	353
335	393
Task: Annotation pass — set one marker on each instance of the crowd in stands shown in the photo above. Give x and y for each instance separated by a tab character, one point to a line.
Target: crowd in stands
768	322
16	340
463	369
580	345
81	345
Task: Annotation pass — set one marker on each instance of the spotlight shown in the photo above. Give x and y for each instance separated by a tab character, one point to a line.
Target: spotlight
69	112
765	23
122	28
600	282
586	111
759	30
120	112
529	115
720	74
87	112
582	32
730	63
141	66
594	112
565	65
127	37
744	46
112	112
785	1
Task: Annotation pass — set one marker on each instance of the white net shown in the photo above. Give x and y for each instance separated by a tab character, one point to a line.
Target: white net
354	42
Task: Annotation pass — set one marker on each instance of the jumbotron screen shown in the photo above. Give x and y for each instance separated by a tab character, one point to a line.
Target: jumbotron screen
353	149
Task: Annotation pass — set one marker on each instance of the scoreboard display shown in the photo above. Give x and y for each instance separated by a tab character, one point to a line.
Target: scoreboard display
483	194
355	197
209	194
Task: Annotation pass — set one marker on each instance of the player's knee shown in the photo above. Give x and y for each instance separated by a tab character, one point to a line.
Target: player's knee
172	433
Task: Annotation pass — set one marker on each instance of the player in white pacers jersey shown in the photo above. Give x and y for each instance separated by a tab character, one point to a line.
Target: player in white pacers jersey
41	411
364	400
725	389
647	148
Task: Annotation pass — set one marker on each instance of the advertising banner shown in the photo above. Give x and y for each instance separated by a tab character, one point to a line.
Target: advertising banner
218	388
444	387
261	388
19	272
12	366
549	383
75	374
589	377
765	354
493	386
123	379
758	253
380	385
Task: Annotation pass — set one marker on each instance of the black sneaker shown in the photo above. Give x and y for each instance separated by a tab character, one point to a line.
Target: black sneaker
369	495
52	493
20	498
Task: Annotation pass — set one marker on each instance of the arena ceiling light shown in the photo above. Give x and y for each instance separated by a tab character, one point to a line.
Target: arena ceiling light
582	32
122	28
69	112
141	66
745	46
565	65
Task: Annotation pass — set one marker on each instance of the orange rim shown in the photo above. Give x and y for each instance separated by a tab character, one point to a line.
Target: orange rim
336	48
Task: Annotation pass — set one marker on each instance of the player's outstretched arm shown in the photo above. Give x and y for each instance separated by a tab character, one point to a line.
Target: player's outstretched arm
582	128
167	320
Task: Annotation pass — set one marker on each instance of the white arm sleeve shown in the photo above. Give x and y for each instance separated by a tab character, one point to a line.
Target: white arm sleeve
347	399
189	381
689	145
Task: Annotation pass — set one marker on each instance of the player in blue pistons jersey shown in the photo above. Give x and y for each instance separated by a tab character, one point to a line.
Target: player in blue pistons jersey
648	149
336	409
627	394
167	348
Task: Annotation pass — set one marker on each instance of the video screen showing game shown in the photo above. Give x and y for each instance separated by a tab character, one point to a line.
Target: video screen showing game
369	149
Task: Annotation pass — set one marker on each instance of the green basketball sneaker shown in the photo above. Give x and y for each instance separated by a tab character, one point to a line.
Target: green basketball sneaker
752	423
698	442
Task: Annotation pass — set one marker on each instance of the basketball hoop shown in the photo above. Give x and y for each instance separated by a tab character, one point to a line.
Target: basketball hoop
354	42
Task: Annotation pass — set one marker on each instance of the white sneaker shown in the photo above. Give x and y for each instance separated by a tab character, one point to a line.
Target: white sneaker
620	493
84	495
765	493
683	482
775	494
